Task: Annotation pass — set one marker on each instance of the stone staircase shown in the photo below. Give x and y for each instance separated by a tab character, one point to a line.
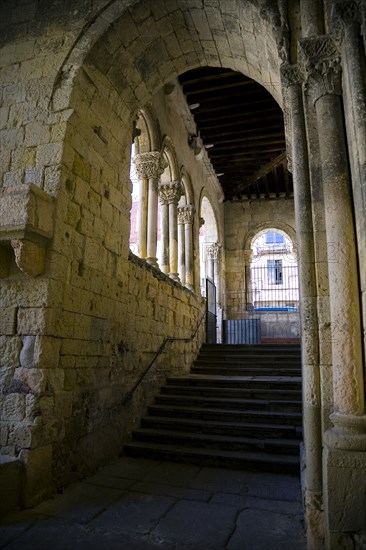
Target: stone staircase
240	407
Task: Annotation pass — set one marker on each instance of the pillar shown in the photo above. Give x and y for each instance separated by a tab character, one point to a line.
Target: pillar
189	252
181	246
212	251
345	442
312	481
171	193
347	20
149	167
164	233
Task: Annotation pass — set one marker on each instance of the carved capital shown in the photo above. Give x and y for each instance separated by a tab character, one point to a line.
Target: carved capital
291	75
186	214
345	13
150	165
170	192
213	250
320	61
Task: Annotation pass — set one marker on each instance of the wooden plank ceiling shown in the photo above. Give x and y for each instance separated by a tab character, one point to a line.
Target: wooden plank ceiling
241	126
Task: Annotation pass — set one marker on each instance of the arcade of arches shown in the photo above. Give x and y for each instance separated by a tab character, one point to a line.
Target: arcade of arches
94	276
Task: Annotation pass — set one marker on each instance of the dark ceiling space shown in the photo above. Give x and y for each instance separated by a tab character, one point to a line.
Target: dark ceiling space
241	126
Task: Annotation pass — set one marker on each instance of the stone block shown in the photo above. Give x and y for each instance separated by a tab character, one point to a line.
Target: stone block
8	320
38	482
33	321
49	154
47	352
13	407
10	483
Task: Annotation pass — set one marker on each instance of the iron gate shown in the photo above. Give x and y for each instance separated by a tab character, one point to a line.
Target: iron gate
211	337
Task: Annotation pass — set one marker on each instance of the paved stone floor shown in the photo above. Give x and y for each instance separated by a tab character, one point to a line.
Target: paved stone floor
140	504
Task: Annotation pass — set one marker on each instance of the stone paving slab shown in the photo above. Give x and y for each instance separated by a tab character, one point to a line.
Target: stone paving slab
134	513
80	503
170	491
220	480
170	473
261	530
205	525
139	504
63	536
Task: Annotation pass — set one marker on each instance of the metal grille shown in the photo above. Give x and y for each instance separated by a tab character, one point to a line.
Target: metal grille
273	287
210	312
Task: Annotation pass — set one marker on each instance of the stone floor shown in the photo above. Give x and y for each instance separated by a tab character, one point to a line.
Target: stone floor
140	504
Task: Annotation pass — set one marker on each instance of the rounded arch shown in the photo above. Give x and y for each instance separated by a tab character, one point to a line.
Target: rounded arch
262	227
170	155
149	139
111	40
187	185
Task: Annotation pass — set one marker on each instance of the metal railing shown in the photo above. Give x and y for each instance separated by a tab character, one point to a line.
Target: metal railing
166	342
273	286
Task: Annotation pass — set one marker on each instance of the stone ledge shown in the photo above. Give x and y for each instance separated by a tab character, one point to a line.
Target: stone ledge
26	225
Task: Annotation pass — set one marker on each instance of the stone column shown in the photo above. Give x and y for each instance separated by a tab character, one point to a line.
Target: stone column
142	211
292	80
164	232
189	249
320	59
149	167
172	192
212	251
347	19
181	246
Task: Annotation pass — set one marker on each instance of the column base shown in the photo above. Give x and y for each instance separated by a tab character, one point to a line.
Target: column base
174	277
152	261
344	482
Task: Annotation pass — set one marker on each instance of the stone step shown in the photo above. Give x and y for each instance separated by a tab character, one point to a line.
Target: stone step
256	429
269	359
209	441
240	406
216	391
246	382
235	415
259	349
229	403
234	459
232	370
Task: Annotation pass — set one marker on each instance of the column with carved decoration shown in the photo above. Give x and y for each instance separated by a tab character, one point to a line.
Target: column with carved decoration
320	62
347	26
212	251
292	80
149	167
164	227
181	246
172	192
187	217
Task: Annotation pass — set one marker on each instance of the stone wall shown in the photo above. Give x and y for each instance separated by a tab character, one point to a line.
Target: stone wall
243	219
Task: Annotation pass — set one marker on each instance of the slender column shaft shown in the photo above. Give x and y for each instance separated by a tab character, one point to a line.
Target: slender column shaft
142	218
181	252
345	313
189	256
152	226
308	291
321	60
354	81
164	237
173	241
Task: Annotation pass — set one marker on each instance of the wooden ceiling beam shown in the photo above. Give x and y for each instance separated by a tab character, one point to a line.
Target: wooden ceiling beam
262	171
